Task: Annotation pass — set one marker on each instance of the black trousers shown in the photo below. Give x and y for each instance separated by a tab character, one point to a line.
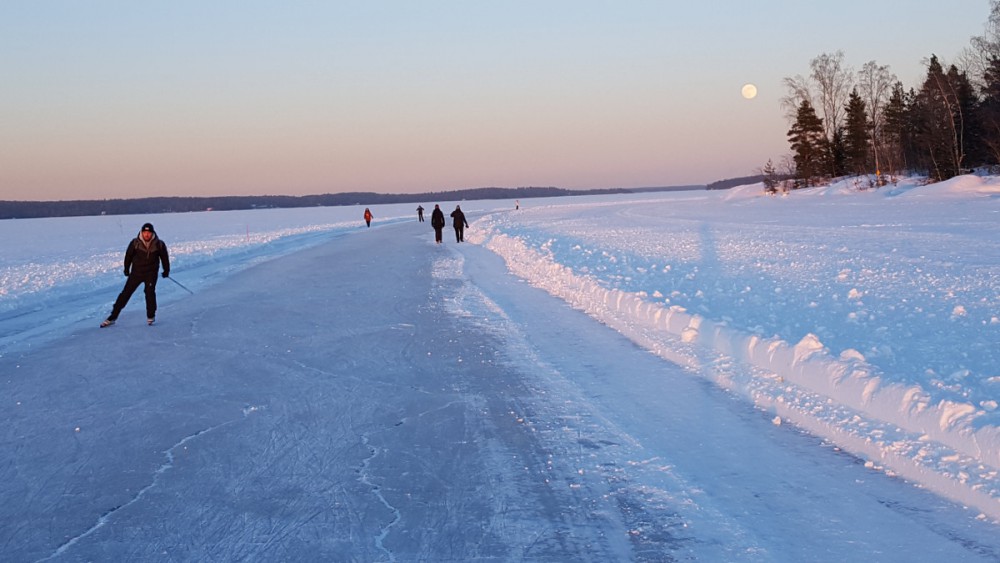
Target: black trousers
437	233
132	284
459	233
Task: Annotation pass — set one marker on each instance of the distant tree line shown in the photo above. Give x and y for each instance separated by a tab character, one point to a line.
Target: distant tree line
868	125
35	209
733	182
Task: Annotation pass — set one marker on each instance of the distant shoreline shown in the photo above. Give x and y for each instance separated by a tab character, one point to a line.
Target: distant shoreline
83	208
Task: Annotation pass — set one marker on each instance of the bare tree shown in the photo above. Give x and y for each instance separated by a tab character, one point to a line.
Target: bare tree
875	87
799	90
976	58
834	82
786	168
830	84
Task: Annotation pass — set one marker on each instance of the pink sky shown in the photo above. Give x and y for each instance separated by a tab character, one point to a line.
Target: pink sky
133	100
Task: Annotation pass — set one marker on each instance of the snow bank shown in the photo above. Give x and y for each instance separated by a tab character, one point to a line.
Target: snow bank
943	445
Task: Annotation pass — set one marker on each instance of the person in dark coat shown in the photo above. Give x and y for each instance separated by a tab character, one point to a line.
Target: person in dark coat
437	221
460	223
143	257
420	213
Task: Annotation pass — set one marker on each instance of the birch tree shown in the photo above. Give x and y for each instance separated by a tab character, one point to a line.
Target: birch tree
875	84
834	83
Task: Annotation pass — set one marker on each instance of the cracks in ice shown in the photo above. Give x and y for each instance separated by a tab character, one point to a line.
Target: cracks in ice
376	490
365	478
167	465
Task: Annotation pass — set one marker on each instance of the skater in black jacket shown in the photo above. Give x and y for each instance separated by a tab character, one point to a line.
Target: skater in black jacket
460	223
437	221
142	263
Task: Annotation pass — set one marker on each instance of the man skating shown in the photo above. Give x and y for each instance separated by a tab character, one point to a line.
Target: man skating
142	263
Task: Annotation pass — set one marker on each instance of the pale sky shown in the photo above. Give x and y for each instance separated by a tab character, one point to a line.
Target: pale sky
121	99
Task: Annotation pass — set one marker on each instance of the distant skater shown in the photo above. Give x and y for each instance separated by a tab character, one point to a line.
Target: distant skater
368	217
460	223
142	262
420	213
437	221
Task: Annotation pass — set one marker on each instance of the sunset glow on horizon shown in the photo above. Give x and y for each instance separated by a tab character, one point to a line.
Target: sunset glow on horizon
119	99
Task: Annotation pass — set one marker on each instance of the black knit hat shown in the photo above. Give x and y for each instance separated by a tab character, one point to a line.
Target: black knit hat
147	227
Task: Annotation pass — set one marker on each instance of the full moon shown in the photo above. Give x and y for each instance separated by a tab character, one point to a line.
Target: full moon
749	91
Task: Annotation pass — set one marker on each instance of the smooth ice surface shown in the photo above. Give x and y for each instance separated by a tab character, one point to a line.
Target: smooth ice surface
698	375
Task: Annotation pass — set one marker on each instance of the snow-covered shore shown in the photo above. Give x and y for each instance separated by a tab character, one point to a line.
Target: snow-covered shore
868	318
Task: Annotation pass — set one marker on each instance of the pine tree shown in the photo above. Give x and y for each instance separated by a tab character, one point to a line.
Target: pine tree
940	121
857	149
836	155
990	111
898	130
971	150
771	180
893	117
808	145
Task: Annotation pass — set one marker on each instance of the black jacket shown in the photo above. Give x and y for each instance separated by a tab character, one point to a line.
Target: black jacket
459	218
143	260
437	218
